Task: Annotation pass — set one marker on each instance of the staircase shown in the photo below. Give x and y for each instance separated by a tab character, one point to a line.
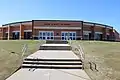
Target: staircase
38	63
52	63
56	42
55	45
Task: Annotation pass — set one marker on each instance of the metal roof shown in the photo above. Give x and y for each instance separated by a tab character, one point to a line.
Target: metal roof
60	21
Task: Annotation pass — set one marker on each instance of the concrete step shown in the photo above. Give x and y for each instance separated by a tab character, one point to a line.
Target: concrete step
71	60
50	67
56	42
52	63
55	47
67	62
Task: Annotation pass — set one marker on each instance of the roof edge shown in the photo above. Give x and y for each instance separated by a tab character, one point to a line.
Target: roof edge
59	20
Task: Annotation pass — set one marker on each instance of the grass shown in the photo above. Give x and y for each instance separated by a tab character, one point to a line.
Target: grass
106	55
10	55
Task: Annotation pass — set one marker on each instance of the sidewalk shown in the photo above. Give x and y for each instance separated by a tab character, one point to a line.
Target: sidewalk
51	74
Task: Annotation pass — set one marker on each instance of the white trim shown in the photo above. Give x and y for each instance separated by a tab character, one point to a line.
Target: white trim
15	31
27	30
88	24
68	31
86	32
99	25
98	33
38	27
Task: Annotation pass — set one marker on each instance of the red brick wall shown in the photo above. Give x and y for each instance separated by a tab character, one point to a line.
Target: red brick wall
98	29
1	33
57	23
86	27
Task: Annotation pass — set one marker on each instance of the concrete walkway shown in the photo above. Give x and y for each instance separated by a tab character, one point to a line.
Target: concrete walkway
51	65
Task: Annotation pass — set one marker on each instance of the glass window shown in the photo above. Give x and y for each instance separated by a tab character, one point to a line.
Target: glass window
70	38
40	33
62	38
73	34
51	33
66	34
48	33
48	37
70	34
40	38
51	37
43	33
43	37
62	34
74	38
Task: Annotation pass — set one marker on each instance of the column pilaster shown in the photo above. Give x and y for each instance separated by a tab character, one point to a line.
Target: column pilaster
8	32
21	32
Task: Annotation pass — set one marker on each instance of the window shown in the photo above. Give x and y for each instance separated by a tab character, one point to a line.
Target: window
46	35
68	35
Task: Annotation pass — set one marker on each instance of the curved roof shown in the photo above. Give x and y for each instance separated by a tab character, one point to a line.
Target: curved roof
57	20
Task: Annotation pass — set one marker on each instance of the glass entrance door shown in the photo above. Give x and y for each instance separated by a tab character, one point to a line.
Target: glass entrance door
46	35
15	35
68	36
27	35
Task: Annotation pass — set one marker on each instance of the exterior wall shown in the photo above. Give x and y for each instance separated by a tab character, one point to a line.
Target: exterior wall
23	28
117	35
5	30
1	33
98	29
77	26
57	37
12	29
57	23
86	28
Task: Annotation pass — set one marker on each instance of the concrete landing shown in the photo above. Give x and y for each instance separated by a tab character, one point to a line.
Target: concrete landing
49	74
51	62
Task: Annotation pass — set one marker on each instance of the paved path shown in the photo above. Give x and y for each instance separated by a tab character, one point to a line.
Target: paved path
51	58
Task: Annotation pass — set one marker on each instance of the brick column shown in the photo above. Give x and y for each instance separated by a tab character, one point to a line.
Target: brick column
21	31
92	32
33	32
104	33
8	32
1	33
81	30
112	34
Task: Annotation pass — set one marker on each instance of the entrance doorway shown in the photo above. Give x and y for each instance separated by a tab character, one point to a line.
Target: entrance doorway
15	35
68	35
46	35
27	34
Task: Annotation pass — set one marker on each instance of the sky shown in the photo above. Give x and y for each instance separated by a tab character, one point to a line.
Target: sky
99	11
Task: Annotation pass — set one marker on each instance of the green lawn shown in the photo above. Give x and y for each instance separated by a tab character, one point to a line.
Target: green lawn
10	55
106	55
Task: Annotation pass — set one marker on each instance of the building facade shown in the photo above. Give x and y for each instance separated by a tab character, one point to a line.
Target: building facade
57	30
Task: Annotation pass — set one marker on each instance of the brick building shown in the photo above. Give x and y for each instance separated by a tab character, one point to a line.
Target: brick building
58	30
